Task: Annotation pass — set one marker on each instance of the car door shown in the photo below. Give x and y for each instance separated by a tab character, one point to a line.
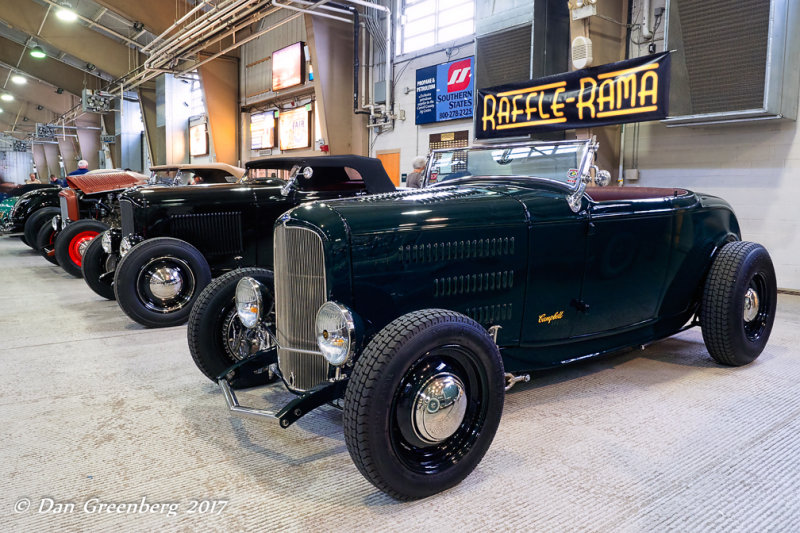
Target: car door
627	255
556	257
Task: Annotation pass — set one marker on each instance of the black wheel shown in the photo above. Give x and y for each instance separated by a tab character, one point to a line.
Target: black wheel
34	223
738	307
158	280
423	403
45	243
72	242
217	338
97	268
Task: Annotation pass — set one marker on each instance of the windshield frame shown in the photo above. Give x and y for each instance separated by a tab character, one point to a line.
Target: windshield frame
589	146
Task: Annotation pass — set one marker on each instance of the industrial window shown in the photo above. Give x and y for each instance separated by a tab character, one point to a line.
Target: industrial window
426	23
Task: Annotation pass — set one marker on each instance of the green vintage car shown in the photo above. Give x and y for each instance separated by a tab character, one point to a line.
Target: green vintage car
416	311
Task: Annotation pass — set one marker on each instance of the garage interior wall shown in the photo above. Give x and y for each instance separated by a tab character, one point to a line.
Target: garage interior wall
15	166
752	165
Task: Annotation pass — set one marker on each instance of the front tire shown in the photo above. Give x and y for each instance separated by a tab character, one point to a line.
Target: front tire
45	242
217	338
96	262
738	306
72	242
158	281
423	403
35	222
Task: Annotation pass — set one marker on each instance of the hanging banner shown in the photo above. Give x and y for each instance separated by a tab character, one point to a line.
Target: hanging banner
444	92
634	90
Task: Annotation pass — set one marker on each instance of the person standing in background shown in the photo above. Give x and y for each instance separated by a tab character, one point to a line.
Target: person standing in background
414	180
83	168
32	178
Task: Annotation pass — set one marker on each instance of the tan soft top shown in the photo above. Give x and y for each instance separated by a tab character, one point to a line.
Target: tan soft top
236	172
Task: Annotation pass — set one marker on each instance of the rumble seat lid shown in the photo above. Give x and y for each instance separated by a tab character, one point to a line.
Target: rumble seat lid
105	181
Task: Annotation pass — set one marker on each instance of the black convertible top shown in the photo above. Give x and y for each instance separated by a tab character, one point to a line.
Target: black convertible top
371	169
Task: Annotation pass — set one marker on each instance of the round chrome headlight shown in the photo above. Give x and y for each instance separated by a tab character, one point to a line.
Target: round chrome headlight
248	301
334	330
105	241
125	246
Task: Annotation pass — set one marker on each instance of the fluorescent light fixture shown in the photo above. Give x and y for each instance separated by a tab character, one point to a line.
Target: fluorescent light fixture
38	53
6	97
19	80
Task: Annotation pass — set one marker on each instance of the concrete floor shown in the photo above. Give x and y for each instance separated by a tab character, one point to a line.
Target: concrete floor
94	408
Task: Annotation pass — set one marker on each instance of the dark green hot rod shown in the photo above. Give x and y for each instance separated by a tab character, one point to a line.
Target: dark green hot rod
418	310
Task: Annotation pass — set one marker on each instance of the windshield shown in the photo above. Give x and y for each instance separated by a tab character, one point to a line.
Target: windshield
165	177
562	162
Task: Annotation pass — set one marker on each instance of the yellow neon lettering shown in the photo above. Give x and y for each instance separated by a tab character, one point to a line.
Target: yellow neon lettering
555	107
528	109
515	110
652	92
588	86
541	107
489	117
503	111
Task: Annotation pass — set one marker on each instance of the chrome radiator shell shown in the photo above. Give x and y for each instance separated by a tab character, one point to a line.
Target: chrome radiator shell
300	290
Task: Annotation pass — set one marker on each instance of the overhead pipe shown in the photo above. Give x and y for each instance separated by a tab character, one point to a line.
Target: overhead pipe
646	31
209	23
175	24
262	32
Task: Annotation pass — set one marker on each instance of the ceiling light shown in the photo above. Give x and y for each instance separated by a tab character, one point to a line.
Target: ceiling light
6	97
38	53
19	80
65	13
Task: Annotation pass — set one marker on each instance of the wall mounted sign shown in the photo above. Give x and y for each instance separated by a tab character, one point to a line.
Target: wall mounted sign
634	90
294	129
262	130
198	140
444	92
288	67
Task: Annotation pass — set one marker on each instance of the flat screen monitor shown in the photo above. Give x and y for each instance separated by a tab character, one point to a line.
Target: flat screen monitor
294	130
288	67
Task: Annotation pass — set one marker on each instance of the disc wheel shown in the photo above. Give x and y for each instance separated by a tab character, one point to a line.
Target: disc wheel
423	403
158	281
739	301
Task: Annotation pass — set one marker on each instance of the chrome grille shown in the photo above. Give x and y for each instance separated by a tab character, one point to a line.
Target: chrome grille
126	213
62	202
299	292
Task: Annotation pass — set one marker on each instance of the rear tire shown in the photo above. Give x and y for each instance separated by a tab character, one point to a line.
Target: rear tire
158	281
423	403
738	306
35	221
94	263
217	338
45	240
72	242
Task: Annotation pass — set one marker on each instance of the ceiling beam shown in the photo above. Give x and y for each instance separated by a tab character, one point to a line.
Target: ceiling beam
156	16
48	70
73	38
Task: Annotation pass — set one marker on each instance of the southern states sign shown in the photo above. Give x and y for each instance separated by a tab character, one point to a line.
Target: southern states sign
635	90
444	92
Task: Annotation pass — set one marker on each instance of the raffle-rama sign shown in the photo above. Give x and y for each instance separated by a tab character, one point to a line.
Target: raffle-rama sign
635	90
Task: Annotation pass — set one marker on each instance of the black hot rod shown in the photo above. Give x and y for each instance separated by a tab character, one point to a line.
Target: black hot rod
175	240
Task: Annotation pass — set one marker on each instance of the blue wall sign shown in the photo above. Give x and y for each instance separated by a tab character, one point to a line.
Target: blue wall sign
444	92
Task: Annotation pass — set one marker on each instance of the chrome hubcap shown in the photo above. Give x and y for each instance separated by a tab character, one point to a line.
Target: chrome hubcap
166	283
439	408
751	304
